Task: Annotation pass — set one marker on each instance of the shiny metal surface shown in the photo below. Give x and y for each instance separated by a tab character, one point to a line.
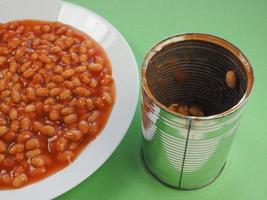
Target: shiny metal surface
189	152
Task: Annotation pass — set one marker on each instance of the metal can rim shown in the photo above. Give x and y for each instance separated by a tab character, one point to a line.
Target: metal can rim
206	38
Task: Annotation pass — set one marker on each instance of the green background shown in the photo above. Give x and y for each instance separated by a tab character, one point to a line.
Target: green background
145	22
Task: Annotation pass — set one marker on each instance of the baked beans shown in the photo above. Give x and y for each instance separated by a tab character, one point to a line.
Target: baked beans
56	94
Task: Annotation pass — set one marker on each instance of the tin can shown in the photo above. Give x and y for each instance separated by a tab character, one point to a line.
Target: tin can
189	152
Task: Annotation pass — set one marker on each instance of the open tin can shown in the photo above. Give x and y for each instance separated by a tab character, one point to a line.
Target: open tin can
189	152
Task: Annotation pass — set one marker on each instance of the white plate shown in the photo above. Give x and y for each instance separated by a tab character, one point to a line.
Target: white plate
125	73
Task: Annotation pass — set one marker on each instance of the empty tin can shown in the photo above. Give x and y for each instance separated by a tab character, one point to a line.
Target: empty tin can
188	152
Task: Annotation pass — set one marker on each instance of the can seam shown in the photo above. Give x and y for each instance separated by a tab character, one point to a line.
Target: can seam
185	150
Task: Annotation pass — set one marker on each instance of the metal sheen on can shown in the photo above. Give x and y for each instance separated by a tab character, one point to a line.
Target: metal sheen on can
189	152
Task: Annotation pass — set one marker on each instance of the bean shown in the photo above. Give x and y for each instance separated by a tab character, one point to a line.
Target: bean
91	52
81	102
81	91
107	98
6	179
30	93
65	59
45	28
20	180
13	66
73	145
17	148
90	104
4	108
2	60
54	115
67	111
48	130
81	68
93	83
106	80
93	128
69	41
33	153
93	116
99	102
58	107
9	163
28	73
183	109
14	125
25	123
37	126
16	97
83	126
51	85
68	73
25	66
173	107
3	121
20	52
9	136
15	78
74	56
196	111
73	102
2	157
86	80
16	87
231	79
13	114
50	101
44	58
37	162
5	93
65	95
32	143
13	43
55	49
68	85
42	92
65	156
3	130
34	56
24	136
4	51
83	58
76	82
19	157
20	29
57	79
73	135
61	144
58	69
95	67
3	84
3	147
37	171
39	108
30	108
55	91
70	119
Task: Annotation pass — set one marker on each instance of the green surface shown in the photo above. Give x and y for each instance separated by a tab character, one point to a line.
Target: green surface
145	22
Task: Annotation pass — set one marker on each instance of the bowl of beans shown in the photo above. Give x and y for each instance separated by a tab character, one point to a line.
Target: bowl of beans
68	93
57	92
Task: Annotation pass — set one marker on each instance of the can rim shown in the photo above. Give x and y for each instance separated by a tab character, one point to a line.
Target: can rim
206	38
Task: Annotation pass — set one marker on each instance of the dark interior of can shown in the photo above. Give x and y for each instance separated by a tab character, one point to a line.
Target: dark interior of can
193	72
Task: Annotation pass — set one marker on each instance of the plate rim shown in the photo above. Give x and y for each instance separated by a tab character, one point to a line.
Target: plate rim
136	101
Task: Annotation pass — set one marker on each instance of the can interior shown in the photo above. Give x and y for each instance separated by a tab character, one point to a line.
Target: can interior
193	72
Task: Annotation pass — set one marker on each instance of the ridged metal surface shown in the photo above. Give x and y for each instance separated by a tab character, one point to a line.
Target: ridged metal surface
182	151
